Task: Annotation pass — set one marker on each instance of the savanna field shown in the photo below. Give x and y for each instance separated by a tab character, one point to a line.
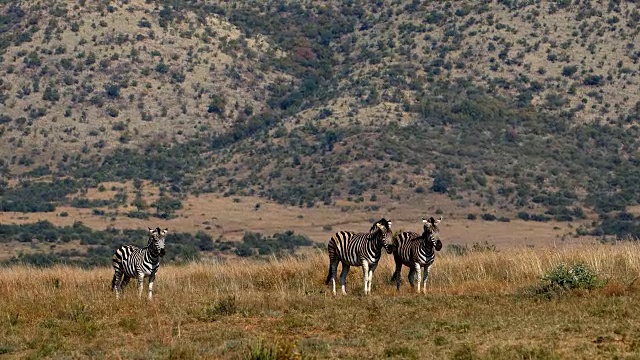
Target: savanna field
484	304
255	130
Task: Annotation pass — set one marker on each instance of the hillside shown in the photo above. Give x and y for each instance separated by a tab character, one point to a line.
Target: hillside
512	110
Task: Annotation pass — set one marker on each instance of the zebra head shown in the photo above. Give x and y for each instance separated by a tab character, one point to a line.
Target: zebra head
156	240
383	227
431	232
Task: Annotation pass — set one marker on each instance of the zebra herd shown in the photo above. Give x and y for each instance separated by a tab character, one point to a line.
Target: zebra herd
416	251
365	249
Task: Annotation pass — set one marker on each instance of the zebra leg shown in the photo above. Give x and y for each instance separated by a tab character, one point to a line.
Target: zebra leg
412	274
418	270
125	281
140	284
116	281
425	276
151	279
331	277
372	269
397	274
365	276
343	278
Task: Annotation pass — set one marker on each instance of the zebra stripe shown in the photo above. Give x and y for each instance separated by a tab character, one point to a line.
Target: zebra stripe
130	261
416	251
358	249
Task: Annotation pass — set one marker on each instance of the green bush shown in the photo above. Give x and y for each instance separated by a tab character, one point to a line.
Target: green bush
564	278
578	276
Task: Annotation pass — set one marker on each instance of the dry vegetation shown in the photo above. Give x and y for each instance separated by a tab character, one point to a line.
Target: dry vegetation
517	121
482	305
228	219
506	107
96	77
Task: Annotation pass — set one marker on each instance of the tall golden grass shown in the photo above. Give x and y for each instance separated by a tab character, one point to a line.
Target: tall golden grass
225	310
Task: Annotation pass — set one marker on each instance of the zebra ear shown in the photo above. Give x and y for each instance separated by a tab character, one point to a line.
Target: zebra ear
425	221
151	230
165	231
438	221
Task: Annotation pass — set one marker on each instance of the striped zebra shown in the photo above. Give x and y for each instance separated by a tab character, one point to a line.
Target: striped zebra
416	251
358	249
130	261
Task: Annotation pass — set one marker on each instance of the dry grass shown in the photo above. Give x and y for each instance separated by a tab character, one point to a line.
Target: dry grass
477	307
231	217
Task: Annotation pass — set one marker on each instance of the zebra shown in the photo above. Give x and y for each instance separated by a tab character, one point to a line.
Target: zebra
358	249
416	251
130	261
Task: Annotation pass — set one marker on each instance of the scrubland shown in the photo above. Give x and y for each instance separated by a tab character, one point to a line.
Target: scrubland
485	304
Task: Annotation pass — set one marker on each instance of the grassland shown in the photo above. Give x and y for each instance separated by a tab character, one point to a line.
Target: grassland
482	305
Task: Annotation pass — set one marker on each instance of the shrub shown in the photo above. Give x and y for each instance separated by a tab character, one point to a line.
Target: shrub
457	250
113	112
51	94
138	214
162	68
593	80
224	306
488	217
483	247
569	70
119	126
564	278
112	91
442	181
217	104
577	276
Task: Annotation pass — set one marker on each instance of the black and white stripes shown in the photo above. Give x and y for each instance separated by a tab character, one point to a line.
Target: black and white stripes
130	261
416	251
358	249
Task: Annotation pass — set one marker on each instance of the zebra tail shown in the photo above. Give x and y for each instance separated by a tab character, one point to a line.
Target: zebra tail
329	276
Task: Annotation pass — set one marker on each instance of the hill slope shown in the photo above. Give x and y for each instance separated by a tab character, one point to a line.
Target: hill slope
523	108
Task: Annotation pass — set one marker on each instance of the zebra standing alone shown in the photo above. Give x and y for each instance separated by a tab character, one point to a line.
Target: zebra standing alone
130	261
358	249
416	251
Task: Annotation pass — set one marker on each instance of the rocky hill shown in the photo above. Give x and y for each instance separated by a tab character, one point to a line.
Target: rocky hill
522	106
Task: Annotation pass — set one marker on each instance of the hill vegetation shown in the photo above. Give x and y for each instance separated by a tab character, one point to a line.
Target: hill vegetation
525	109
